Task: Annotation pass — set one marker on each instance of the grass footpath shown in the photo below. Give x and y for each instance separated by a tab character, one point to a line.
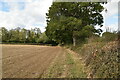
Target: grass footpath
75	65
66	65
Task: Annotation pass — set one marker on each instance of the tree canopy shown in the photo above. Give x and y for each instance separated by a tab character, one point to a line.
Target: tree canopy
71	20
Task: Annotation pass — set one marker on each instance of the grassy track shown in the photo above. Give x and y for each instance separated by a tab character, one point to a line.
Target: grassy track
67	65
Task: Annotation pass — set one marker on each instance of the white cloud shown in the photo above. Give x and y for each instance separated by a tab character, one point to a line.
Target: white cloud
115	0
33	14
112	9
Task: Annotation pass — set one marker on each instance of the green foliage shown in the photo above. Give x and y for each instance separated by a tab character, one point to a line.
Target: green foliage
105	38
75	20
4	34
109	36
62	31
43	38
19	35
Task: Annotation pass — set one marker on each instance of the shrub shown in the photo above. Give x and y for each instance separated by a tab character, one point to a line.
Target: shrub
108	36
101	59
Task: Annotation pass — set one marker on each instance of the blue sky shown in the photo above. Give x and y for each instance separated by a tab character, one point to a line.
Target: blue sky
111	20
5	6
31	13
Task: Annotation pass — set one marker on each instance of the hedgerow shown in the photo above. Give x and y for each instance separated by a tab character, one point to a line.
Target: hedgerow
101	59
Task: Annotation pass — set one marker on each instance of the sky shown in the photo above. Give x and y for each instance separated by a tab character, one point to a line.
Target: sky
32	13
111	17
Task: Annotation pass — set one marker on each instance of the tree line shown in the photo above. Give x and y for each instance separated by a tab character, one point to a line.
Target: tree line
21	35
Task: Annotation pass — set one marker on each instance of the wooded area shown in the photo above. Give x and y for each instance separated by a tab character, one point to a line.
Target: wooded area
21	35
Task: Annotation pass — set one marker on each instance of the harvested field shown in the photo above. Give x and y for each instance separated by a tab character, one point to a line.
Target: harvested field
34	61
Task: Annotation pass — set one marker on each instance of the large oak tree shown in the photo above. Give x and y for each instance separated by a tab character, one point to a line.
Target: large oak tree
67	21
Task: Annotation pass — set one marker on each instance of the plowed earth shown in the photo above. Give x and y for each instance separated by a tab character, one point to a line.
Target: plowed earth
32	61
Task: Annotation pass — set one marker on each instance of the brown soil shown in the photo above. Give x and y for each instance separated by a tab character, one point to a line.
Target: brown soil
27	61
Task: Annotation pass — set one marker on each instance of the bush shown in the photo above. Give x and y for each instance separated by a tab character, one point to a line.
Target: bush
108	36
101	59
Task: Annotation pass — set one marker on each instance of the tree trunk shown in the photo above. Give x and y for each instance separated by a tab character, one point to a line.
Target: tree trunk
74	41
